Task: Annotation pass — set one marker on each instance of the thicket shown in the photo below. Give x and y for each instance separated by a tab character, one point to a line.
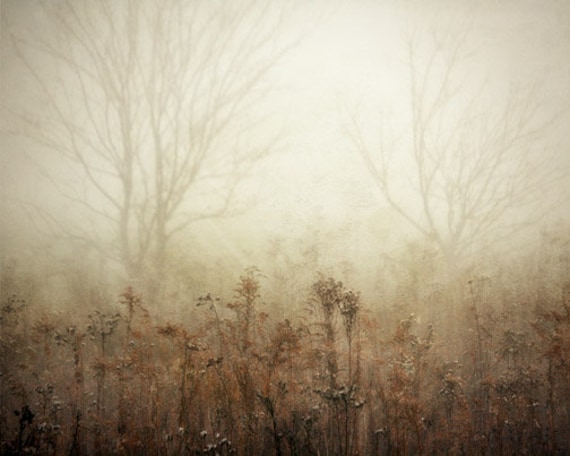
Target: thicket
340	378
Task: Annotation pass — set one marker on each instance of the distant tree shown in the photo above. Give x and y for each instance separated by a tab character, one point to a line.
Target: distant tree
149	104
473	164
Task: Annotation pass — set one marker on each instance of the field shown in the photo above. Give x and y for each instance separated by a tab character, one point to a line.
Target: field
489	375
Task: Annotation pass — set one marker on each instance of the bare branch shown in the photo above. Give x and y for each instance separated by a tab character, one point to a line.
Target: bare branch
470	164
143	103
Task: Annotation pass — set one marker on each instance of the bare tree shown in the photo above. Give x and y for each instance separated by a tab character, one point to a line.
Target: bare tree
149	103
474	162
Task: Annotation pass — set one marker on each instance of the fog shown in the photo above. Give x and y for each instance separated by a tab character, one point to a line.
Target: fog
411	152
344	59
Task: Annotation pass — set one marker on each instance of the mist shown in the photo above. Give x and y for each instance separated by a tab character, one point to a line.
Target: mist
343	225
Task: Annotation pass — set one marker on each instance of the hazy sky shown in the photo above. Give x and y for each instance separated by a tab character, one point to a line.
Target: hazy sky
357	58
354	57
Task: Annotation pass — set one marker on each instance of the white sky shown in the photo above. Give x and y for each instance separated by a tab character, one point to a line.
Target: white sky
356	57
353	57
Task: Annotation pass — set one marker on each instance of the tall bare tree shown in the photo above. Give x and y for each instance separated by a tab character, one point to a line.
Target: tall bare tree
149	104
473	159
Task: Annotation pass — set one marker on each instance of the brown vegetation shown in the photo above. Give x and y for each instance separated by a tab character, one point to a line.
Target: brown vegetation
339	379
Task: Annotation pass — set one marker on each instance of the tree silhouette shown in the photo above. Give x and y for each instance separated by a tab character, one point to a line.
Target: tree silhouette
473	165
148	104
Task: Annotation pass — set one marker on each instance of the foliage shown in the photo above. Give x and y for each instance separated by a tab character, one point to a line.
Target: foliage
340	379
